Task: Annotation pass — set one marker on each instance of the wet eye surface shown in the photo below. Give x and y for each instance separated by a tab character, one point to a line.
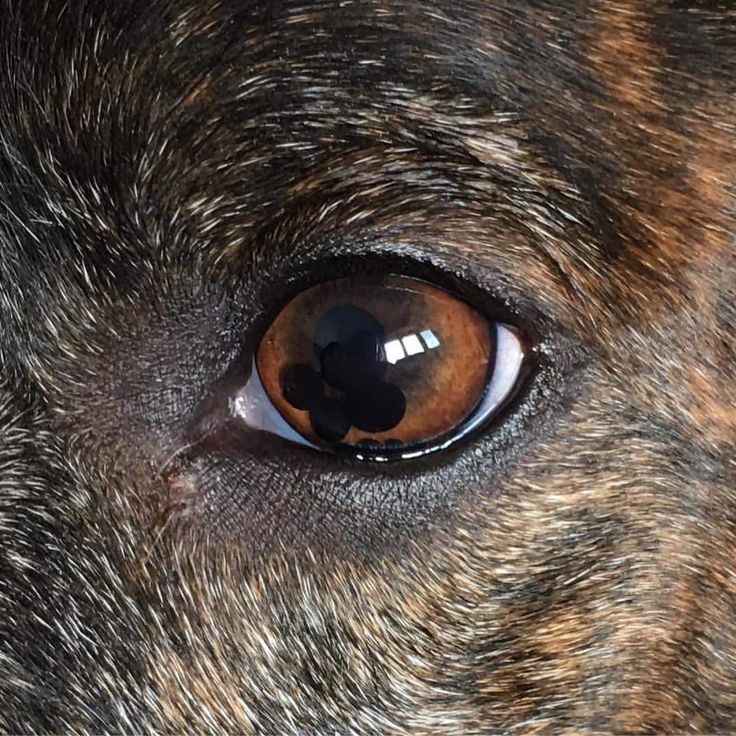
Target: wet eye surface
379	368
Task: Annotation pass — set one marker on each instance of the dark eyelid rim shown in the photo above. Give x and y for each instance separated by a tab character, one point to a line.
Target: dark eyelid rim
282	281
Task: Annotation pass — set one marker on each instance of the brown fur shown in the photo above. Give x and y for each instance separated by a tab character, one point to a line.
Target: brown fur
169	171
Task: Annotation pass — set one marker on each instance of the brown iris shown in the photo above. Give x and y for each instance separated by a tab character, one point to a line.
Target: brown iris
385	363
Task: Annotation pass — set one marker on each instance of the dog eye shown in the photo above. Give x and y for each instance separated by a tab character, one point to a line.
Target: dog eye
381	368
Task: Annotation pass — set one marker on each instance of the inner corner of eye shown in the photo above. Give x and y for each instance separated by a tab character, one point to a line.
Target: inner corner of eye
383	367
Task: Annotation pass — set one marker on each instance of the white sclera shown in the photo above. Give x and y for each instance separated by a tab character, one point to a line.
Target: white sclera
509	359
252	405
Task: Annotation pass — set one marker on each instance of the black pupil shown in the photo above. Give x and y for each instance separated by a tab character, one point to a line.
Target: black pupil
346	387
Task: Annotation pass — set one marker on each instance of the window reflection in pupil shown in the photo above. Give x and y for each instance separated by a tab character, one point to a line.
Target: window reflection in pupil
348	389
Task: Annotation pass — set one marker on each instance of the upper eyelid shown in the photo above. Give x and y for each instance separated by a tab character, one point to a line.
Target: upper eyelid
477	280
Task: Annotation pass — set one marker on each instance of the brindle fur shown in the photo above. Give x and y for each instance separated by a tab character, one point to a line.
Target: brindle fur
166	166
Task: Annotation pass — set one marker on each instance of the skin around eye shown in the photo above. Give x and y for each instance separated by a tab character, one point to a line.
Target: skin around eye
379	367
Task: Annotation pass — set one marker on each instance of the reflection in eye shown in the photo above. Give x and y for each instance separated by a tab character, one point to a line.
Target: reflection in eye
397	350
380	368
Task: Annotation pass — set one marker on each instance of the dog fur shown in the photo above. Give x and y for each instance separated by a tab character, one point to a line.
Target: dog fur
170	170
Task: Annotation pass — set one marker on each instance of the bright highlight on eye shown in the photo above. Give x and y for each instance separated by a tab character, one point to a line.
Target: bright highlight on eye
379	368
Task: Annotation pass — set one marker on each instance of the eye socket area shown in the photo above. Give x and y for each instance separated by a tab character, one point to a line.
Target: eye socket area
379	368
